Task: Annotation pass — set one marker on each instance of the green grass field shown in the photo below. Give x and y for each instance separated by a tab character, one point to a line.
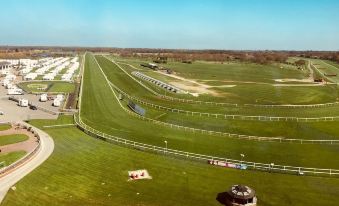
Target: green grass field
242	127
89	171
4	127
327	68
246	78
242	93
50	86
11	157
11	139
107	112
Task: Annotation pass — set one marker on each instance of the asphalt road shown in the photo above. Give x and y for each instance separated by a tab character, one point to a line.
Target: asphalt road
10	179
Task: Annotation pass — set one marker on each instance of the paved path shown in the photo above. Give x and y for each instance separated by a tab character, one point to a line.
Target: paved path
46	149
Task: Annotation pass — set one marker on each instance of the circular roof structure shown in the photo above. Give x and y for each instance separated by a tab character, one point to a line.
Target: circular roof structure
241	192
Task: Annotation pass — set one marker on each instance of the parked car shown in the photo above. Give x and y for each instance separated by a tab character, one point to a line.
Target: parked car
32	107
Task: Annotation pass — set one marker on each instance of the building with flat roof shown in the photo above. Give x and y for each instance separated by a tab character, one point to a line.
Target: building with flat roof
5	65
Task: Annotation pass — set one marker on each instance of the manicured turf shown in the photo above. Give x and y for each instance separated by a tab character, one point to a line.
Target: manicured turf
101	111
233	71
124	82
4	127
86	171
11	139
64	87
296	130
11	157
247	79
327	68
258	128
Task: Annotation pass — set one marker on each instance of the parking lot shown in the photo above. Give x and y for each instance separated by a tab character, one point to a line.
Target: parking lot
13	112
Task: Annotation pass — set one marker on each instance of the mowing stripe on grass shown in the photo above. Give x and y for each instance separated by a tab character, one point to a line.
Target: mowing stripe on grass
215	133
299	155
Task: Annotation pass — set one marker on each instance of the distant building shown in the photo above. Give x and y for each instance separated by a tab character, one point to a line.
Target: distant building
5	65
150	65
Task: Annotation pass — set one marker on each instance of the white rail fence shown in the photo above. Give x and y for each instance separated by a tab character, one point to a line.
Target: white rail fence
209	132
200	157
267	167
230	116
224	103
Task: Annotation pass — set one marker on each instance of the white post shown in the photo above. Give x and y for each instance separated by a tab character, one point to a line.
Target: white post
166	146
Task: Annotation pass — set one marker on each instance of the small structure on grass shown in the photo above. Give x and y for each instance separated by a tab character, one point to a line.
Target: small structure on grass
238	195
138	175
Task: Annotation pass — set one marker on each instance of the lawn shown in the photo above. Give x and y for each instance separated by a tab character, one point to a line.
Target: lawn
327	68
272	129
5	127
86	171
11	139
233	71
242	93
48	86
11	157
101	111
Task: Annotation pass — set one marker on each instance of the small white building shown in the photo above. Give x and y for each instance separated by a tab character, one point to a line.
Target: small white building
60	97
48	77
56	102
30	76
5	65
16	91
10	76
23	102
43	98
5	82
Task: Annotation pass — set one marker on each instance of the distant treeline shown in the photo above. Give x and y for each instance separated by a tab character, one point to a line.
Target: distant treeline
260	57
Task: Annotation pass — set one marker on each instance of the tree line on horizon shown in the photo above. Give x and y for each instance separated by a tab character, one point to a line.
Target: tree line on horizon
260	57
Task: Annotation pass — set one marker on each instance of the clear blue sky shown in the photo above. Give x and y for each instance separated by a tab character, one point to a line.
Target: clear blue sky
192	24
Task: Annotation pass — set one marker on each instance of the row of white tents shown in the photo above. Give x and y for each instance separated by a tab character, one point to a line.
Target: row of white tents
45	67
70	72
28	66
8	83
52	68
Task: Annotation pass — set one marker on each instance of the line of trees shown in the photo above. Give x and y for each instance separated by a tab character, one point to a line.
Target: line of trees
260	57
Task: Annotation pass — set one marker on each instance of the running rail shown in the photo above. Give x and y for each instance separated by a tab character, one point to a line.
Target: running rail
230	116
266	167
209	132
224	103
